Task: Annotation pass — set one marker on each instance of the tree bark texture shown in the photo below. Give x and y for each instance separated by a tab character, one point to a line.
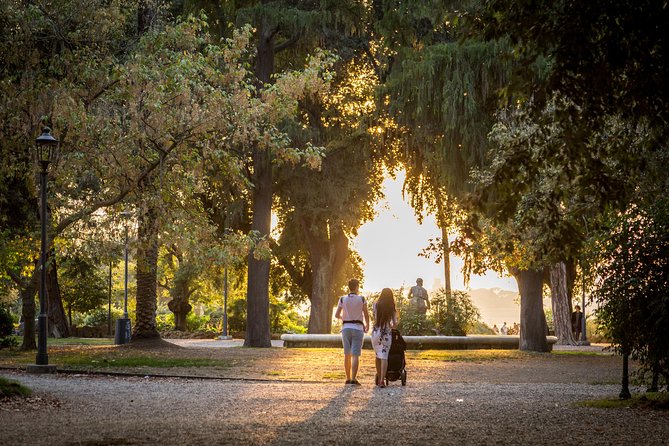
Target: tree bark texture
327	257
257	298
147	273
58	325
561	304
447	259
28	290
532	317
625	389
181	292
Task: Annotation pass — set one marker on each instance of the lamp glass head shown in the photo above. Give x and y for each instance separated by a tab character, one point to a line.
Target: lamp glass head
46	146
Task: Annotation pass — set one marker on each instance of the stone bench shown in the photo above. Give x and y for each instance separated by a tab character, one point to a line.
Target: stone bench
473	342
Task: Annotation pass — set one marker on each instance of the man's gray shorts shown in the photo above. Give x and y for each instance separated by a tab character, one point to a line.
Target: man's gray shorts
352	340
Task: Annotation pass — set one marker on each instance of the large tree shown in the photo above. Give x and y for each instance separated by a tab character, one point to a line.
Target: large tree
286	31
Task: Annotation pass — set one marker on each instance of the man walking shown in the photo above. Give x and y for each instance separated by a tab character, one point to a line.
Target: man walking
352	310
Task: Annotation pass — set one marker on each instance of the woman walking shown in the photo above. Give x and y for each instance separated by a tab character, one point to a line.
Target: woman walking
385	319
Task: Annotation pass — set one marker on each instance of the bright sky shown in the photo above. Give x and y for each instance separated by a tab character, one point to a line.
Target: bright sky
390	244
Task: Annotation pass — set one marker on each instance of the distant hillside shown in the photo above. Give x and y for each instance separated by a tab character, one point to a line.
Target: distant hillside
496	306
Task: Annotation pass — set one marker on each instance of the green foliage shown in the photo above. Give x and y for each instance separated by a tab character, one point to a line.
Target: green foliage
98	316
608	57
413	322
9	388
450	314
284	318
6	329
83	283
481	328
237	315
165	321
649	400
6	322
454	313
632	290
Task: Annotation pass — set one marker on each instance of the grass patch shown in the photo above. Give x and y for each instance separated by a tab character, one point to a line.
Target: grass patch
334	375
649	400
12	388
72	341
139	361
464	355
578	353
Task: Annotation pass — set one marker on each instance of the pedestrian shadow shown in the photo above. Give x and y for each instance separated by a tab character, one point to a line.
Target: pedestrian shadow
325	423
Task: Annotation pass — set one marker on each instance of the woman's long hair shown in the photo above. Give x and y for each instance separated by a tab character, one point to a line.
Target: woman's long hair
385	308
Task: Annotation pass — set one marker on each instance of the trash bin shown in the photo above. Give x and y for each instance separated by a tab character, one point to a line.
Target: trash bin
123	331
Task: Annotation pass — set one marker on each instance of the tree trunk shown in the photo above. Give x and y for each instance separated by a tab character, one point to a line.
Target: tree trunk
257	298
28	290
561	304
180	305
147	278
58	326
181	290
625	390
532	317
180	310
320	314
447	259
327	257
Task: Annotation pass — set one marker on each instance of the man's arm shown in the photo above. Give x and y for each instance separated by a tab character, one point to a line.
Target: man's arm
338	313
427	300
365	313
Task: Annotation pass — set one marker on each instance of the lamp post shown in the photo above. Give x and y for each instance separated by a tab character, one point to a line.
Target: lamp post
47	147
123	327
225	335
584	337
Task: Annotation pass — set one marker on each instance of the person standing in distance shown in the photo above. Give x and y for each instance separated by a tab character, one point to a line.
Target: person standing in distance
352	310
418	296
577	322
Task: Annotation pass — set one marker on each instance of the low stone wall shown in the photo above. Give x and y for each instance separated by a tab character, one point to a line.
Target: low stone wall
474	342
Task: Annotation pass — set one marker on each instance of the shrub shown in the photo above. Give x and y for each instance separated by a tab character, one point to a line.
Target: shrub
454	313
6	322
98	317
9	388
165	321
414	323
6	329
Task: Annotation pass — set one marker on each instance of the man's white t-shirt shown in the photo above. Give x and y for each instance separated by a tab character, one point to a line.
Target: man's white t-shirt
352	306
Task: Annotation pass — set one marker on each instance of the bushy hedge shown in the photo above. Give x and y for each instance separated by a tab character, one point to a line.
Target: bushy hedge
450	314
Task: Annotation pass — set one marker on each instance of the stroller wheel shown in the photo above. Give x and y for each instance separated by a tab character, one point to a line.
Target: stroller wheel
403	377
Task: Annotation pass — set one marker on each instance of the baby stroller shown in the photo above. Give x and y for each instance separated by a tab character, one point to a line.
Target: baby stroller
396	363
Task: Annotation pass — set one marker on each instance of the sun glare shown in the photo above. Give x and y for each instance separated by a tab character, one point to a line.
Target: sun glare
389	245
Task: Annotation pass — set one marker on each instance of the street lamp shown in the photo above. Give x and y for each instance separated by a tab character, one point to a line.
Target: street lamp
123	327
47	148
584	337
225	335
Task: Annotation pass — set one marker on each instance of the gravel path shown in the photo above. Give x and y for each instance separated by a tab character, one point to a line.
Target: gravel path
451	398
101	410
